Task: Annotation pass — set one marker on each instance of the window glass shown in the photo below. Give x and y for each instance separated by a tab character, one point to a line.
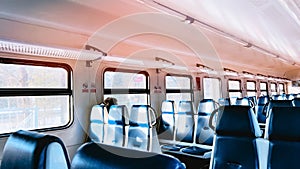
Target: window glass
33	112
263	86
251	89
281	88
28	76
34	95
212	88
234	87
178	88
273	88
119	80
263	89
127	86
178	82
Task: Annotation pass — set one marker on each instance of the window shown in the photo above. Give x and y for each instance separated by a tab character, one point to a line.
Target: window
212	88
34	95
281	88
127	86
234	88
273	89
178	88
263	89
251	89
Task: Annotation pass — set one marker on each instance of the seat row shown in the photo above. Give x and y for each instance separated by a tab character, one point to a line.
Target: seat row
32	150
119	128
238	142
186	130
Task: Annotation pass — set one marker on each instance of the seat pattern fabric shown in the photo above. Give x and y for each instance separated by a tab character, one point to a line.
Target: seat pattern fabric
95	156
118	121
98	123
30	150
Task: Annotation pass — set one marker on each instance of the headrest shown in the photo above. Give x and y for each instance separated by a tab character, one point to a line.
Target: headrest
139	116
206	106
186	107
167	106
224	101
237	121
262	100
99	114
242	102
278	97
253	99
25	149
95	156
118	114
283	124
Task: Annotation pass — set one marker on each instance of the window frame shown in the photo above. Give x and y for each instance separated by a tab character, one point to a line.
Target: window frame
264	90
273	91
220	83
107	91
251	90
180	90
68	91
235	90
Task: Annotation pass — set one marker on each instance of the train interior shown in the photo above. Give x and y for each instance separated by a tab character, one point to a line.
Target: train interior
197	84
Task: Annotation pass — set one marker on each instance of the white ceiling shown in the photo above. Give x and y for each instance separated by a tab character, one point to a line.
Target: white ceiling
132	28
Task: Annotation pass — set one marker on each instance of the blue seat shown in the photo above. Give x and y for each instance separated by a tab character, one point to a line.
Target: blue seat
243	102
204	134
237	130
261	103
167	120
95	156
98	123
117	127
185	122
278	97
278	103
142	133
284	138
32	150
224	101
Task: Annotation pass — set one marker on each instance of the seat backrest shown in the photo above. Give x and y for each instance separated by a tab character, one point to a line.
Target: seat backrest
95	156
32	150
261	103
235	139
284	137
224	101
278	97
278	103
118	121
185	122
142	133
243	102
204	134
167	120
98	121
